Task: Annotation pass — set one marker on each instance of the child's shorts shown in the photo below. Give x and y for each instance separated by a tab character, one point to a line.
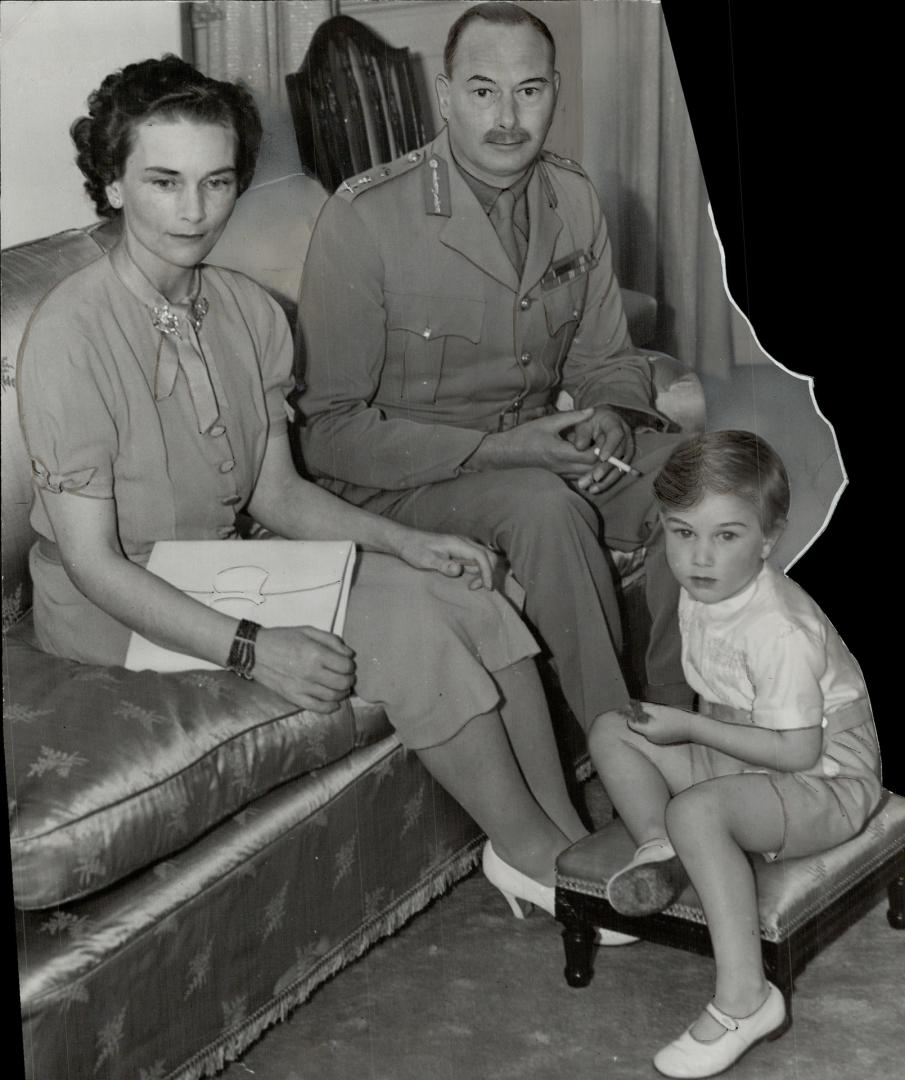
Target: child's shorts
823	806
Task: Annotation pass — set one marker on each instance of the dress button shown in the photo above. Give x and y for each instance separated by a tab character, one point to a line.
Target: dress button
525	358
230	500
217	429
576	313
524	303
227	466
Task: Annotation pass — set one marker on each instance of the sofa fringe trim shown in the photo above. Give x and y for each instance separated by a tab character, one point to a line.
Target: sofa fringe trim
232	1044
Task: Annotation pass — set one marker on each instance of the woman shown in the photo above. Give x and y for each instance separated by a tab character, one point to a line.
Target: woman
152	398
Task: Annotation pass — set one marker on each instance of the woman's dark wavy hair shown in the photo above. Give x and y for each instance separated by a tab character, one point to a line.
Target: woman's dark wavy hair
726	463
168	87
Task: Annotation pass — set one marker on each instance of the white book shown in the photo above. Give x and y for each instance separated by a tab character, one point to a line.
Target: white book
271	582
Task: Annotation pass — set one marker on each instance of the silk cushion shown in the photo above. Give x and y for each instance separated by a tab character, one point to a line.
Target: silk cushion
110	770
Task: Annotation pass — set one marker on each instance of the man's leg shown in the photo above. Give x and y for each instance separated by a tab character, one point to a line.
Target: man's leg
549	534
629	513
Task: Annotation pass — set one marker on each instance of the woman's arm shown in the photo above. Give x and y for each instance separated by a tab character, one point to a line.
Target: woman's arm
784	750
299	510
85	530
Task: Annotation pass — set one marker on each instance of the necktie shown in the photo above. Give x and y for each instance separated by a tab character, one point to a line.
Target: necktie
501	218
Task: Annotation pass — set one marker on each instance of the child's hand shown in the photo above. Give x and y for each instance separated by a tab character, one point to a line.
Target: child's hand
661	724
634	711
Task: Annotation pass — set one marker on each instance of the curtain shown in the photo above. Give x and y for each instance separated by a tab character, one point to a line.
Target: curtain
640	150
259	41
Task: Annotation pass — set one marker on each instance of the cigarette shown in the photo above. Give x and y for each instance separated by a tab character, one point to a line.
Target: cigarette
622	466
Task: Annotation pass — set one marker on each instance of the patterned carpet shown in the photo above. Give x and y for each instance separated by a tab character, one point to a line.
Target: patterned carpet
466	992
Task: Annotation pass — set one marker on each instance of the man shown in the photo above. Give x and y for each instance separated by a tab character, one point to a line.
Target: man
447	298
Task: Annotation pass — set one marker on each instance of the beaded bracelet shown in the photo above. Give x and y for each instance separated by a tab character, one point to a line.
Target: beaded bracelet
241	659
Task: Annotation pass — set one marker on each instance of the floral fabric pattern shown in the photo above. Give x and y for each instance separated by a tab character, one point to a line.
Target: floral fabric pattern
211	976
189	750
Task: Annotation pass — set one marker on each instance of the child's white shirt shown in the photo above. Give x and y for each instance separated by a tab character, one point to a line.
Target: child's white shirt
769	650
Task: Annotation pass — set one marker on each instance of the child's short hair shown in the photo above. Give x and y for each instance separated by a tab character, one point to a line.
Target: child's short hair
726	463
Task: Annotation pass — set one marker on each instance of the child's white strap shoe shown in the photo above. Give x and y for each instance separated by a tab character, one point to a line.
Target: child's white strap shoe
650	882
689	1057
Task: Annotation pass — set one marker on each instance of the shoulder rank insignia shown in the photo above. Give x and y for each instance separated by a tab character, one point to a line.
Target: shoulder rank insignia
567	269
377	174
563	162
436	187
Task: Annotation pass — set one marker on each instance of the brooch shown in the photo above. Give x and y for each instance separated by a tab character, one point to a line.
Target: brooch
199	309
167	321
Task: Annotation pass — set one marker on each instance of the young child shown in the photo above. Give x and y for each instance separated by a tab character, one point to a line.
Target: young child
781	759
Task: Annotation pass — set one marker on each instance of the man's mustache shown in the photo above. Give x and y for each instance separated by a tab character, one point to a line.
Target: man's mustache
507	138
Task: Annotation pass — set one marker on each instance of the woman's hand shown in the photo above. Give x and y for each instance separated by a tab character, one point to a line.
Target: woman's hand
311	668
451	556
662	724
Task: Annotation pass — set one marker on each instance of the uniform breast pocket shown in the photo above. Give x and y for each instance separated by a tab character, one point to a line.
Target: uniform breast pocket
424	334
563	305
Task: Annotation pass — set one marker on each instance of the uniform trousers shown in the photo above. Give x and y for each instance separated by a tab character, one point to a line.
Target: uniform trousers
551	535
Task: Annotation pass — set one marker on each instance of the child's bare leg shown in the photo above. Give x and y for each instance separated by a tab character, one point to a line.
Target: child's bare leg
712	825
638	775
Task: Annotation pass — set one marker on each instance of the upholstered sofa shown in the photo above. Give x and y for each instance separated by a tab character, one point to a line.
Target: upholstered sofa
191	856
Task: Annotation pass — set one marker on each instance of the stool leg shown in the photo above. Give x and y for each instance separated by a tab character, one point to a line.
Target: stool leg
895	916
578	938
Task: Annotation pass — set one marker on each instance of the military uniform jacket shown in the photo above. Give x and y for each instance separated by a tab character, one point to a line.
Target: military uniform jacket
420	338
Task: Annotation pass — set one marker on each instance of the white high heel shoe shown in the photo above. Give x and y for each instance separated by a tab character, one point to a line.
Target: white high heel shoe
515	885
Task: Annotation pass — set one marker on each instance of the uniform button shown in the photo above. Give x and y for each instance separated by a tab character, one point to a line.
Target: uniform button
230	500
525	357
576	313
217	429
225	531
227	466
524	303
426	332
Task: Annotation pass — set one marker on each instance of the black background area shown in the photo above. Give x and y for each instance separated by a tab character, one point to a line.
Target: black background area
796	141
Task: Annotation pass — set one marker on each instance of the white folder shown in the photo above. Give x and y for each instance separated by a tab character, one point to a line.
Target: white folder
272	582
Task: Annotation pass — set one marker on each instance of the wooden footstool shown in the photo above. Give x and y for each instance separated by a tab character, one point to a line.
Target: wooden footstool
804	903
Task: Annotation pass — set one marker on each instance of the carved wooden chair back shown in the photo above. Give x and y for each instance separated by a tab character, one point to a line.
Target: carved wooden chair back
354	102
